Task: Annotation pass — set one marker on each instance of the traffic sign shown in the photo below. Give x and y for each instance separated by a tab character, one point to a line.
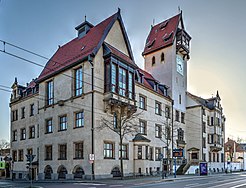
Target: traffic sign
177	152
30	157
91	157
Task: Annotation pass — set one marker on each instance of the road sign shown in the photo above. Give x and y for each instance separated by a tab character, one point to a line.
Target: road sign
177	152
30	157
91	157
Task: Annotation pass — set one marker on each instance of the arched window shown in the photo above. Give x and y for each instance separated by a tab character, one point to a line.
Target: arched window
153	60
162	57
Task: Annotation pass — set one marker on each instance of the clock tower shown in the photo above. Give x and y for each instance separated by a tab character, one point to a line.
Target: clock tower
166	54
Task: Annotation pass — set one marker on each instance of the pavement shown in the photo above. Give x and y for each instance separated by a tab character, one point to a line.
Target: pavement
129	180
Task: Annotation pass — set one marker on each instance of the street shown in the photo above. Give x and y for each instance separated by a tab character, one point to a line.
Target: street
237	180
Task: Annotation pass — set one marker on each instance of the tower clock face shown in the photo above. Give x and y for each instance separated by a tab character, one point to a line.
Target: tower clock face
180	65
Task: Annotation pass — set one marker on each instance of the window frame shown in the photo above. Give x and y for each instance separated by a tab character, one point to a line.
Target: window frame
124	151
14	135
78	81
79	150
142	129
80	119
62	151
143	103
158	108
48	152
50	92
108	152
48	126
63	123
32	132
23	134
158	130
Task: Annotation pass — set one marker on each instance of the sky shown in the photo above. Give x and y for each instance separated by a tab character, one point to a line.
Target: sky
217	49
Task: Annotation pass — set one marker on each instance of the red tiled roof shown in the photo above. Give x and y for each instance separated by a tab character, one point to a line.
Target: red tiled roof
77	49
146	83
162	34
120	54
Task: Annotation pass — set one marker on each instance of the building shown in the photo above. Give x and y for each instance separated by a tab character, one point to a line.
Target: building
206	132
59	117
235	155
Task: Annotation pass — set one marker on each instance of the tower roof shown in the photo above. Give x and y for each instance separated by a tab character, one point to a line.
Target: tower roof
162	34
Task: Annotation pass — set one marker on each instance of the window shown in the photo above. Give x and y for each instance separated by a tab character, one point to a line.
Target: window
157	108
62	152
14	115
124	149
142	127
108	150
204	142
50	93
140	152
153	60
214	157
210	138
146	152
180	134
48	152
142	102
78	82
122	81
203	127
218	157
63	123
222	157
21	155
14	155
115	122
113	78
209	157
157	154
22	112
29	151
15	135
31	109
168	132
162	57
158	131
130	85
49	127
32	132
167	111
78	148
79	119
212	121
150	153
182	117
23	134
177	115
208	122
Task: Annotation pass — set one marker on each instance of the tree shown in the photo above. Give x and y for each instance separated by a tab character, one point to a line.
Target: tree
4	144
122	123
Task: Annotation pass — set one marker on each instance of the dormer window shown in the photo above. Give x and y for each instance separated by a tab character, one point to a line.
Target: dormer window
83	28
153	60
167	37
150	43
163	25
162	57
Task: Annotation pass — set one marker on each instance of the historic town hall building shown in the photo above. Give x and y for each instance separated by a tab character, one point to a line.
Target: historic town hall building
91	91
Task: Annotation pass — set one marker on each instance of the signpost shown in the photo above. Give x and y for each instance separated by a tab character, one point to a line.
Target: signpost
91	161
30	158
177	153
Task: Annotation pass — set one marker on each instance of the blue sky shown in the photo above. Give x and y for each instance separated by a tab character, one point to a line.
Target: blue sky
217	46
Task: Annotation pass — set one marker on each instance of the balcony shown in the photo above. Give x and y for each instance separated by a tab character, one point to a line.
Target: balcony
183	42
215	148
113	101
180	143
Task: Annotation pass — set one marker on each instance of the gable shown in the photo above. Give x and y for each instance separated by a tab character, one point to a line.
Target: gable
116	39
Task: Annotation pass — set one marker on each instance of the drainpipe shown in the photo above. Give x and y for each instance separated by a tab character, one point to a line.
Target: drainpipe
172	138
202	133
92	114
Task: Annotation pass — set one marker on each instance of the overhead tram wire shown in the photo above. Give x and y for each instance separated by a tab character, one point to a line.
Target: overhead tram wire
41	56
37	64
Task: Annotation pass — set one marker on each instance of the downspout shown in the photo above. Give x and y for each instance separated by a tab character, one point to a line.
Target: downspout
172	138
92	114
202	133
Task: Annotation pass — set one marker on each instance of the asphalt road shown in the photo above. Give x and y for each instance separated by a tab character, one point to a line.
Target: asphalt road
216	181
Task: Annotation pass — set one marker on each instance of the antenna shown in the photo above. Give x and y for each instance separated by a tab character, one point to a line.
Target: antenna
85	17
